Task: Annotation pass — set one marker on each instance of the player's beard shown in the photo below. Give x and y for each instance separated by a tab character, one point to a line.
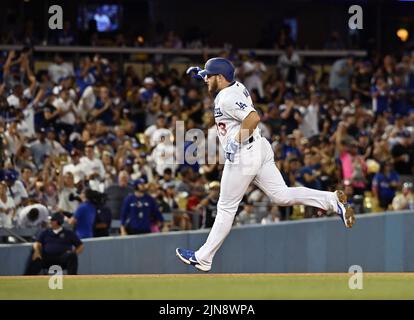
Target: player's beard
213	86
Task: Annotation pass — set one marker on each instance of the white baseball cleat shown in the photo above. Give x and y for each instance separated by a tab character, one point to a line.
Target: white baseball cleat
345	211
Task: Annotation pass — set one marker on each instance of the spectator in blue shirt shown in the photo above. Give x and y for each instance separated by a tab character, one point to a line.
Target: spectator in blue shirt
310	173
55	246
148	91
139	210
103	107
380	96
66	37
84	216
398	94
384	184
289	148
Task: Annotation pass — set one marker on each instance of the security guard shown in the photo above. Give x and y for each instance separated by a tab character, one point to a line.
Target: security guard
55	246
139	210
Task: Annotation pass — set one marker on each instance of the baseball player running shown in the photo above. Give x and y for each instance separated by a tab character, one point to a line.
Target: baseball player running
249	158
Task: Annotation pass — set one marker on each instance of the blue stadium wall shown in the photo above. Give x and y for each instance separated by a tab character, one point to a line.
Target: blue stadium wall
378	243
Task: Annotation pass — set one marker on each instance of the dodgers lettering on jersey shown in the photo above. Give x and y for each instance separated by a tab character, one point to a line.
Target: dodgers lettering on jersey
231	106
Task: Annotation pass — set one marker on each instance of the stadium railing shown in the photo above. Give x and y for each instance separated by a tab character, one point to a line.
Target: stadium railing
183	52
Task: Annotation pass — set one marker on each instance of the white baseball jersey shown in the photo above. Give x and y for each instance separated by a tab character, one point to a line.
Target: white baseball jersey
231	105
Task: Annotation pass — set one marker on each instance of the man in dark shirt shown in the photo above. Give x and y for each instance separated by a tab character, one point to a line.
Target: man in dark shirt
117	193
139	210
55	246
403	154
290	113
209	205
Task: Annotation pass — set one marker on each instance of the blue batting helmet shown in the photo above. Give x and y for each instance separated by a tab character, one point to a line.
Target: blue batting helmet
219	66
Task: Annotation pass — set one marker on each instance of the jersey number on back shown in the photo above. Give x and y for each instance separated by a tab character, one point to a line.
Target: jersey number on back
221	128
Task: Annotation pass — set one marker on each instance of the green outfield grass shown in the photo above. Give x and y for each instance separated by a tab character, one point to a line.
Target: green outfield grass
212	286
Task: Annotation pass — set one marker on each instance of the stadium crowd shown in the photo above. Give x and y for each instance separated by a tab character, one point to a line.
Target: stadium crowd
96	143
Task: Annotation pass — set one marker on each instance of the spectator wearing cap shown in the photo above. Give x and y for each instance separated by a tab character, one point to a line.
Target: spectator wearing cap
403	154
384	184
7	207
181	219
117	193
75	166
103	107
208	205
64	141
129	165
405	199
84	217
169	196
40	148
139	211
16	189
91	165
68	198
55	246
149	89
289	148
33	216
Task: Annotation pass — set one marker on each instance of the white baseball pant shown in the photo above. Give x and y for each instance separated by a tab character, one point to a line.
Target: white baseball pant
255	162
